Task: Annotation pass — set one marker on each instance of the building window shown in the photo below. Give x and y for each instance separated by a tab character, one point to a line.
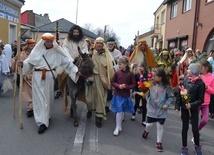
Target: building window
174	10
187	5
163	17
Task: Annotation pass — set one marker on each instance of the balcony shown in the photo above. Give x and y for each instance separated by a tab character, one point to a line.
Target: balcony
157	28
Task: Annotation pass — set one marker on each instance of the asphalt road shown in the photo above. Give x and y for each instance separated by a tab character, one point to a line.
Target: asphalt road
62	138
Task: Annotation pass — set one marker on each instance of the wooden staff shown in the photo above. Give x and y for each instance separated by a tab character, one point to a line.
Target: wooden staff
21	81
15	77
14	91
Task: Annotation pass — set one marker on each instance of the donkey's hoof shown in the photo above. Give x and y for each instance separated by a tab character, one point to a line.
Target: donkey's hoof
76	124
71	115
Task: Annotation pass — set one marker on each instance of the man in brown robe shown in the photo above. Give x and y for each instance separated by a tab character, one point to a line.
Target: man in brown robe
26	93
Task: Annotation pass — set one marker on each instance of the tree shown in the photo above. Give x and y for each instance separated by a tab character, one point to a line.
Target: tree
100	32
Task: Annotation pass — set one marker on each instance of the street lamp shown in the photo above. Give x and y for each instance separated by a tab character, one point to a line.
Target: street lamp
77	11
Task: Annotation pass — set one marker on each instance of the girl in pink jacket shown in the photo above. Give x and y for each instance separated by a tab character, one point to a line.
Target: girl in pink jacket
208	78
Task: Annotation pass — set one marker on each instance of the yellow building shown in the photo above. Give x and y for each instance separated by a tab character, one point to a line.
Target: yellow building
159	27
10	11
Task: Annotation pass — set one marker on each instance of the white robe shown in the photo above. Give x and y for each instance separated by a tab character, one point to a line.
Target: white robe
4	69
43	90
116	54
8	53
72	47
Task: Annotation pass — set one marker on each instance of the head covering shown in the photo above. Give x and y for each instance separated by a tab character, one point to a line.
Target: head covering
195	68
165	52
48	36
149	54
8	53
28	42
189	49
100	40
111	39
39	49
7	48
178	53
161	61
0	41
109	59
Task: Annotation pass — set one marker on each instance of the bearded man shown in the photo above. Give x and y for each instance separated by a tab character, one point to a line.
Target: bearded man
75	40
70	45
111	45
26	93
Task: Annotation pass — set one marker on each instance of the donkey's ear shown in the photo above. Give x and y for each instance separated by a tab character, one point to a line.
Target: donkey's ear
79	50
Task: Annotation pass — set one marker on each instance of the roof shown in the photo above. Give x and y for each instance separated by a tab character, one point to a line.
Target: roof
64	27
167	1
159	6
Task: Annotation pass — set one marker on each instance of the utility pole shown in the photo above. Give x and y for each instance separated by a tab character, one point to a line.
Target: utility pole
77	11
104	33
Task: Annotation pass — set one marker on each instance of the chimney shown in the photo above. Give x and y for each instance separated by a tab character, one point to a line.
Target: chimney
46	15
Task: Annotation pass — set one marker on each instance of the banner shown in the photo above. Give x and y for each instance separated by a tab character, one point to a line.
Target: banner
9	13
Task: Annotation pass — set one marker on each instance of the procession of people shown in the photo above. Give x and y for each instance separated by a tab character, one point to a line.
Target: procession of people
134	81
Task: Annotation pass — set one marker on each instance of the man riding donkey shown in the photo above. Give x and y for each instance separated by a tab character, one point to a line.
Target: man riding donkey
74	45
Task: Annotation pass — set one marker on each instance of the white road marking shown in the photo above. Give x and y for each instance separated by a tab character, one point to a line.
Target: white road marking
93	139
78	141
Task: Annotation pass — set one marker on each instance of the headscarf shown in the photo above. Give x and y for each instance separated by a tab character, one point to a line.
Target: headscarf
109	59
37	50
185	56
8	53
148	54
161	61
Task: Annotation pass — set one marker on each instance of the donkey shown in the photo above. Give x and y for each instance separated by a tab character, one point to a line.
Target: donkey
85	67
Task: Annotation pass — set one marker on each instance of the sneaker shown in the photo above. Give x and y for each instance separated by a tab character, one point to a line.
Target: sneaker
145	134
193	141
144	123
139	111
184	151
116	132
159	147
198	150
120	128
133	118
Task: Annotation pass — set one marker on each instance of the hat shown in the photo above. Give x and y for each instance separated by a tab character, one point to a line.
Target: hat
0	41
111	39
195	68
99	39
30	41
142	41
178	53
165	52
189	49
48	36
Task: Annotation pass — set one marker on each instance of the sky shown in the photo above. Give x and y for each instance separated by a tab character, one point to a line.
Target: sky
124	17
